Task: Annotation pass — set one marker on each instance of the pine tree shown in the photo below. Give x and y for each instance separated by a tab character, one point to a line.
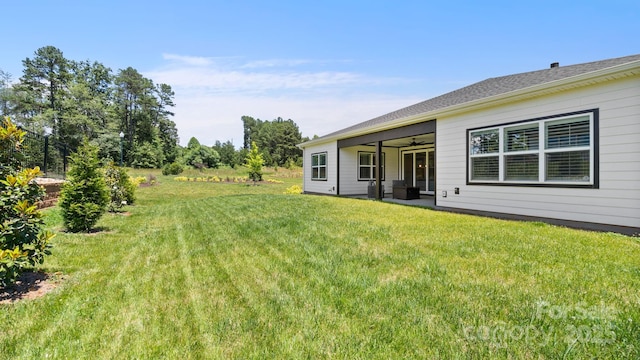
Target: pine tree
84	198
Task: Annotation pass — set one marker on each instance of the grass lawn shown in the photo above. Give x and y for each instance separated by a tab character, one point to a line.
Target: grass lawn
211	270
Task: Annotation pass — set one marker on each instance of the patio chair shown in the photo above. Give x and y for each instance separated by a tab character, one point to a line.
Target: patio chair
404	192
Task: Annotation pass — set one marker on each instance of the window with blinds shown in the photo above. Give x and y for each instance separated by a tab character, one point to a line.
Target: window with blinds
521	147
556	150
568	133
485	168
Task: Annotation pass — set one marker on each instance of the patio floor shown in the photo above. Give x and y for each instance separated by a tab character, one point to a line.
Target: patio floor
425	200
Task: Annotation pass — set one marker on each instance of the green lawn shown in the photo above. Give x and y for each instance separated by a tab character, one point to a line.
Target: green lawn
209	270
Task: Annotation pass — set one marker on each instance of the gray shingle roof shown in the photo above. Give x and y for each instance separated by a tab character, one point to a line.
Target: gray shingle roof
490	87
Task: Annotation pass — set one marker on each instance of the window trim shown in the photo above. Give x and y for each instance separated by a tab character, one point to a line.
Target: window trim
322	153
372	166
593	148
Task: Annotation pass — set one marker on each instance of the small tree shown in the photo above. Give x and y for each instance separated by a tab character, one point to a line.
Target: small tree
147	156
172	169
22	241
255	162
84	197
121	189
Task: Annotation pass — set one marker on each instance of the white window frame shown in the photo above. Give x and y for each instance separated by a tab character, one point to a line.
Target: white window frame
317	165
541	151
371	166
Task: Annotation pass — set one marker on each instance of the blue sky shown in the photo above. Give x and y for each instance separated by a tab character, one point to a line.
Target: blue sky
324	64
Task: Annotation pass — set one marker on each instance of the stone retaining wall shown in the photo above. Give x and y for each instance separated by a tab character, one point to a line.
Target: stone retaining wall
52	189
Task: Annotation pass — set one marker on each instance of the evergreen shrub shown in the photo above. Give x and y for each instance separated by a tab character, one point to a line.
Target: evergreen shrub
172	169
84	197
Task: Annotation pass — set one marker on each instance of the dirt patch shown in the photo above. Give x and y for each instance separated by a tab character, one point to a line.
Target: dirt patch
30	285
92	232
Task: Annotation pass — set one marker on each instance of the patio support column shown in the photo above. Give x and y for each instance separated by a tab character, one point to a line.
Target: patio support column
378	170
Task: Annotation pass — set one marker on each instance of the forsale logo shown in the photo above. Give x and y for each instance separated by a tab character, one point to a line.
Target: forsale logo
582	324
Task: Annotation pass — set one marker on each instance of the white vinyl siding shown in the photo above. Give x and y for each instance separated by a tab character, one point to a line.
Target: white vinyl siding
349	170
329	184
616	201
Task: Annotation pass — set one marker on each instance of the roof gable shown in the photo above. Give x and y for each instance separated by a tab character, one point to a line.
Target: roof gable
489	88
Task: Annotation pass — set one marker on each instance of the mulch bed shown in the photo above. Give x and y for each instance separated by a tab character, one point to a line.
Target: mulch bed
30	285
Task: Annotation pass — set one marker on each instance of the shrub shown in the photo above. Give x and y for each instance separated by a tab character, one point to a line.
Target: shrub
290	164
200	156
129	187
136	181
147	156
172	169
121	189
23	243
295	189
84	197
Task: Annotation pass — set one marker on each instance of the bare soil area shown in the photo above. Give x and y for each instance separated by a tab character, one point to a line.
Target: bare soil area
30	285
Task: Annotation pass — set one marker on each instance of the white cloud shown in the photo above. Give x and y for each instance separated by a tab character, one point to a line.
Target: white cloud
215	80
275	63
210	118
188	60
212	94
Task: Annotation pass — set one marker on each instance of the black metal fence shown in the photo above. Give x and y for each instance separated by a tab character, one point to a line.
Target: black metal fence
47	153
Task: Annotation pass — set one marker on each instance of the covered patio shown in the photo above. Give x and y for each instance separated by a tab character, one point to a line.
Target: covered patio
408	159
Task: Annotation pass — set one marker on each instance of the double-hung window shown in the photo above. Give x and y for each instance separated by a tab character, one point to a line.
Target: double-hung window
367	166
319	166
554	151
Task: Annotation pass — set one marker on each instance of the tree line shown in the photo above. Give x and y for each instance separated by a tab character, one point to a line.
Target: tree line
276	140
72	100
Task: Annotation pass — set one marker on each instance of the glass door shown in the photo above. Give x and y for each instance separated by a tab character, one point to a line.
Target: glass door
431	171
408	169
421	170
418	169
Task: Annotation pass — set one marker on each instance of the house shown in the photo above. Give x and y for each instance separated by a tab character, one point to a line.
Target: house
560	145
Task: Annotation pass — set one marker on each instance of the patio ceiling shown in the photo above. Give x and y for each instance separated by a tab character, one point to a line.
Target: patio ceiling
411	141
401	136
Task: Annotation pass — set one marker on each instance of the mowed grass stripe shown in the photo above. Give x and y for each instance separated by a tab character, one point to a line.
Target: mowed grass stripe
313	262
250	267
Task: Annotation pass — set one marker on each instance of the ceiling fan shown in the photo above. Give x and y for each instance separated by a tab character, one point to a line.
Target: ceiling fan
414	143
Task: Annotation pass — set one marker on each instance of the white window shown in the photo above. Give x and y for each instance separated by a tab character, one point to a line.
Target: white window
319	166
485	149
521	147
568	150
367	166
555	151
